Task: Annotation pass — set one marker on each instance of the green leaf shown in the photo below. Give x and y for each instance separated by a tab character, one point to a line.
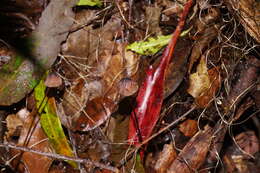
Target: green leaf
50	122
51	125
153	44
90	3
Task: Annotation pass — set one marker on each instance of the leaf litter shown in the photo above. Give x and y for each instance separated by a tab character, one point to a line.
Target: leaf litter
205	98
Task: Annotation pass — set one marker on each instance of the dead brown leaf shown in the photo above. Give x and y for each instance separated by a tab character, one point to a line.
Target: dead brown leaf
189	127
193	154
95	113
248	14
38	141
243	81
215	82
165	158
104	72
206	34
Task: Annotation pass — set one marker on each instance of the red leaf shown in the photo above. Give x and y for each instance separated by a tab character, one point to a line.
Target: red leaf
150	95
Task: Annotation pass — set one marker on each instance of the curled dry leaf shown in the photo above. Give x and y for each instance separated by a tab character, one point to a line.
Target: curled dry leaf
199	81
204	84
14	125
37	141
173	8
215	82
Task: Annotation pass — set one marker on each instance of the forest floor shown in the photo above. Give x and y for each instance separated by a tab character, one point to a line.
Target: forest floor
130	86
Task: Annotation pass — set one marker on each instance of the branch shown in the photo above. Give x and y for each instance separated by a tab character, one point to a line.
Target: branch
61	157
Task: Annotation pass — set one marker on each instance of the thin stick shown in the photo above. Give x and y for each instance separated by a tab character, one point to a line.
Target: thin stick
61	157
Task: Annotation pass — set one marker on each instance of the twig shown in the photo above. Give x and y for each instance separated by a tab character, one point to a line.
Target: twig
61	157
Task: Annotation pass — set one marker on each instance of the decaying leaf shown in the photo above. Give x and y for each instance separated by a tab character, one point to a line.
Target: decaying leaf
37	140
193	154
52	127
95	113
74	101
18	76
199	81
216	146
178	67
152	15
50	122
204	84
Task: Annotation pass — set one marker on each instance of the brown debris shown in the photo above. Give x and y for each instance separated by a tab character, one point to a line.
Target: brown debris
37	141
243	82
193	154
